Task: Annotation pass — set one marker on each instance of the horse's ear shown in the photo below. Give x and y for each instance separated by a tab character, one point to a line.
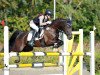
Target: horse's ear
69	21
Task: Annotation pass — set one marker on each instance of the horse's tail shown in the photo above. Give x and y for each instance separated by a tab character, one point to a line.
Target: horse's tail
13	37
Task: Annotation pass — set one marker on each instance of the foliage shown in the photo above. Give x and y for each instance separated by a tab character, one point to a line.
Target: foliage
18	23
1	34
97	62
85	13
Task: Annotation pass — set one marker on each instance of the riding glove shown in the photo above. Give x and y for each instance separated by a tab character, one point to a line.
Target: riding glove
48	22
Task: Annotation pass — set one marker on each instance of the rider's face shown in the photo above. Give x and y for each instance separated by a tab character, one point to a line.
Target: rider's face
49	16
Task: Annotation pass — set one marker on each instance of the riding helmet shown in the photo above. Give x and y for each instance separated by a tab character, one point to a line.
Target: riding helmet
48	12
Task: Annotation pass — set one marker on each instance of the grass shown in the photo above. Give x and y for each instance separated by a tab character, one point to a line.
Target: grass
98	73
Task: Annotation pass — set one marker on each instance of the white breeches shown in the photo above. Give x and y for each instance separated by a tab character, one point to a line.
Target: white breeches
33	25
29	37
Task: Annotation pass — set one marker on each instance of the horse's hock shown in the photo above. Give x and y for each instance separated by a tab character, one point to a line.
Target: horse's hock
71	60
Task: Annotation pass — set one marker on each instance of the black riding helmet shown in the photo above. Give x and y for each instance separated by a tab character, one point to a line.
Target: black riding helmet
48	12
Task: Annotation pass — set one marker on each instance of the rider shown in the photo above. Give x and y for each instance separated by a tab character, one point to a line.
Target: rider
38	21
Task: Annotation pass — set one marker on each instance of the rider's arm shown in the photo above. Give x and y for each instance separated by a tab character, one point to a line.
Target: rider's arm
41	21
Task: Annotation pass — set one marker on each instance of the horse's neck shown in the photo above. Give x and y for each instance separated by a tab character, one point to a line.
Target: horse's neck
56	26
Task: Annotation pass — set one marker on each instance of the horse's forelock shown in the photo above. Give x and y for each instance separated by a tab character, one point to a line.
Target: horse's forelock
69	22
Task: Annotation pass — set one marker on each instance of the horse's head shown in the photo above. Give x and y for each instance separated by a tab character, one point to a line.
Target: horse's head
63	25
68	28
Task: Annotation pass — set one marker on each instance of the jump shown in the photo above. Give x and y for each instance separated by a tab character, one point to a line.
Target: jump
18	40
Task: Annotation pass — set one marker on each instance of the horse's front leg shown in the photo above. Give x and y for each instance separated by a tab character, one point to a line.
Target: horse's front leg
58	43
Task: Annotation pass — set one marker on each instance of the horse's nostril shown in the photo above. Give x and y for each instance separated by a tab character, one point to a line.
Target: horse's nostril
70	37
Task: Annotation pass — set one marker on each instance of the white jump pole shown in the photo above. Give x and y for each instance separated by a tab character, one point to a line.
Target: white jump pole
65	47
6	51
92	48
81	49
54	9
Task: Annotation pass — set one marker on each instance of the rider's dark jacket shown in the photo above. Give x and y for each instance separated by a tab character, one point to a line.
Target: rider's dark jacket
36	20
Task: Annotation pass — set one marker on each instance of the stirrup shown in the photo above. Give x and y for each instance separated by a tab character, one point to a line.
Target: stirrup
37	35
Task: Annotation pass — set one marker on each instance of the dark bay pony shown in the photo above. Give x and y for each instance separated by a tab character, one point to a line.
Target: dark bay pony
18	40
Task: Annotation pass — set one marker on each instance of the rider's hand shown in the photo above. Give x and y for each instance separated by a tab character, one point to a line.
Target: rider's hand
48	22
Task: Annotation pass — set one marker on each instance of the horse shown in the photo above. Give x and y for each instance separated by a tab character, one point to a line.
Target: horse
18	40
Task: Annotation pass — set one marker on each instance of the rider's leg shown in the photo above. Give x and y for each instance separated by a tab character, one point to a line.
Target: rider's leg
31	42
32	33
40	32
33	26
41	35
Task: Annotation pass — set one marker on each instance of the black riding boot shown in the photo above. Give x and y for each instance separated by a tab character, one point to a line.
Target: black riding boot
31	42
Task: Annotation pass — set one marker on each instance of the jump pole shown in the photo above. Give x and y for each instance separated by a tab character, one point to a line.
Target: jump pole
65	47
54	9
92	51
81	49
6	51
63	59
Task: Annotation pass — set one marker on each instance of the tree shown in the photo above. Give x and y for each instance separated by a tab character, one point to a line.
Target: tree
85	13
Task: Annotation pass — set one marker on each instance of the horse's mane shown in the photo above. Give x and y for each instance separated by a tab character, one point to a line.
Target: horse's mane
57	20
54	22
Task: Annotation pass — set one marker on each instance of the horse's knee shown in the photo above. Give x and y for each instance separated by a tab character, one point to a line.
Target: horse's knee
61	43
58	44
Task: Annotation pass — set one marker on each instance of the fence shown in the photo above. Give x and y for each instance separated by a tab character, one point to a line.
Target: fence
68	57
